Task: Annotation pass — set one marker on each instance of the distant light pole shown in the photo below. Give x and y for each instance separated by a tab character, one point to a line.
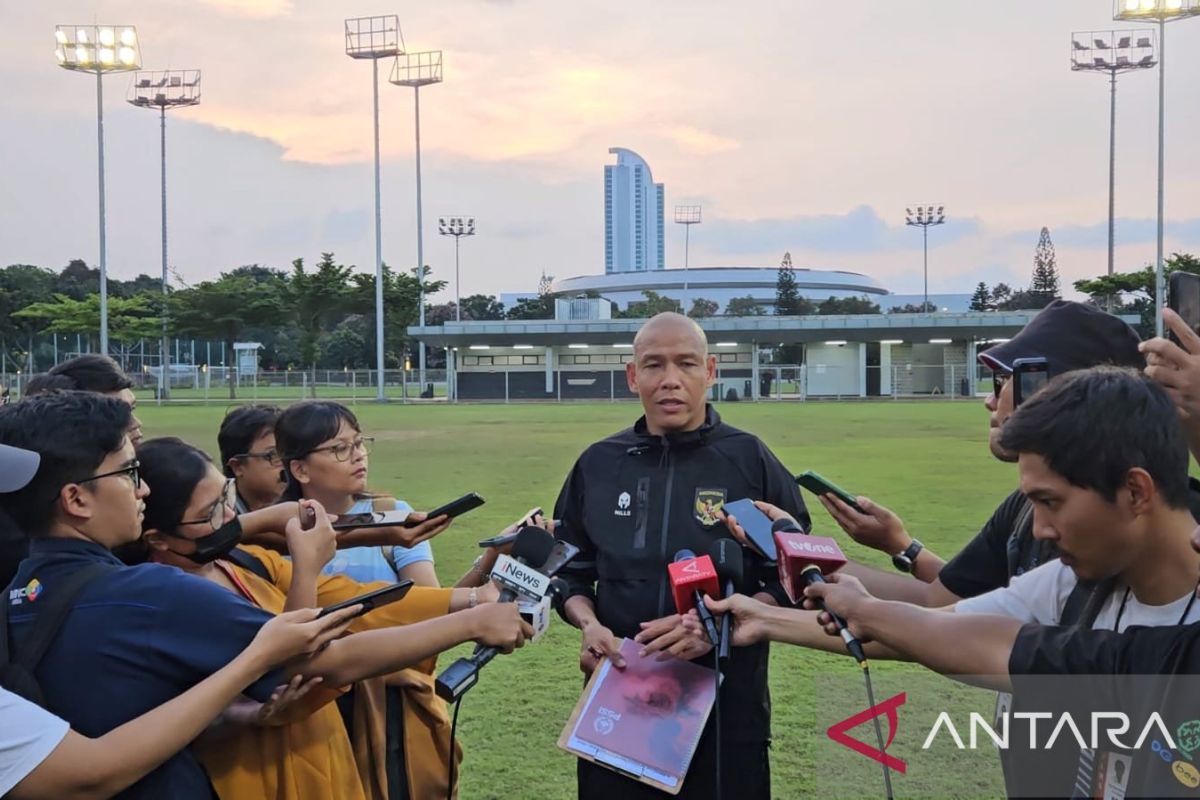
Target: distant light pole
457	227
687	216
1111	53
1163	11
375	38
99	49
923	218
164	90
417	70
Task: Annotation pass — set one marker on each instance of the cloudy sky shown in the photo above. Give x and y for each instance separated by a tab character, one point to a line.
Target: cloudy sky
798	125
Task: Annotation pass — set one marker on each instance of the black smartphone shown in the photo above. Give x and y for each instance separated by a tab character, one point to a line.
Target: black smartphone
756	524
370	519
506	538
819	486
1029	375
455	507
559	556
1183	297
371	600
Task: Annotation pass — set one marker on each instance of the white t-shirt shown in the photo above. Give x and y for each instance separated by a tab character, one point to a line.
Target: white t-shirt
28	734
1039	595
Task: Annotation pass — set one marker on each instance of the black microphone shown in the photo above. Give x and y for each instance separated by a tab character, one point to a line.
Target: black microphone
730	563
815	564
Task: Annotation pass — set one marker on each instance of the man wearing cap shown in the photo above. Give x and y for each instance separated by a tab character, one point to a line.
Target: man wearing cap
1069	336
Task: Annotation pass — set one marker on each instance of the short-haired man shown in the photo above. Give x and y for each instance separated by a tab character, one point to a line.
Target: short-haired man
249	456
90	373
635	499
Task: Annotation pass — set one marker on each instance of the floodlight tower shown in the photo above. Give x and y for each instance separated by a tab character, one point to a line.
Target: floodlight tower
687	216
1111	53
375	38
457	227
923	218
99	49
164	90
1162	11
417	70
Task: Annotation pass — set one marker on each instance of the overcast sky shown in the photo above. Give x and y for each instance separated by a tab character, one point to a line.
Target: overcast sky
798	125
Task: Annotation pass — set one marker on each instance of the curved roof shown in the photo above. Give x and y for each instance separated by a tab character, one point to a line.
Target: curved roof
737	278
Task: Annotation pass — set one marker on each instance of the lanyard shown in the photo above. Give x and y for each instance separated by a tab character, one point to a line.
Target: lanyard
1182	619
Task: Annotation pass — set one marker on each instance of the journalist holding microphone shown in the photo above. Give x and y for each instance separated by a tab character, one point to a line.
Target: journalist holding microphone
637	499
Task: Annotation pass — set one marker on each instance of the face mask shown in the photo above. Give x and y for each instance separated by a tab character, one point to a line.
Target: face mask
216	544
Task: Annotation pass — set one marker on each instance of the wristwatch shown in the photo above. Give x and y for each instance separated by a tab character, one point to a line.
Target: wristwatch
903	561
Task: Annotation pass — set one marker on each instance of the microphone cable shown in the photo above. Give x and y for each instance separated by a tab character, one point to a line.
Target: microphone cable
717	715
887	773
453	733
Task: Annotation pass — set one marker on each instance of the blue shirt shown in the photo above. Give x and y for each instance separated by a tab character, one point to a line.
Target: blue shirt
135	638
368	564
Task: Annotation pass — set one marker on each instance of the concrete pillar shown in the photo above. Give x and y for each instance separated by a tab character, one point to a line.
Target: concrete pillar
754	371
549	370
862	369
885	369
972	359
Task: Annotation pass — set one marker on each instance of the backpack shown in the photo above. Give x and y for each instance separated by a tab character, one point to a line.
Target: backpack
18	674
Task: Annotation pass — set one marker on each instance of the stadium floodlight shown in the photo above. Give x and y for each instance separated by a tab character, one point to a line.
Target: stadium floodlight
687	216
417	70
1162	12
99	49
1111	53
164	90
923	218
457	227
375	38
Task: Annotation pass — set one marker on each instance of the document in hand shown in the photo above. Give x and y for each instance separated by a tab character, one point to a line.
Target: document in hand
644	721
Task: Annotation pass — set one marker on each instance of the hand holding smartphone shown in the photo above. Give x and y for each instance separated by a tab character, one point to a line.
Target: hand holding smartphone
371	600
819	486
503	539
756	524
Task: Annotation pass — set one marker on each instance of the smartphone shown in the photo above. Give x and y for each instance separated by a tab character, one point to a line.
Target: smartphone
559	556
506	538
1183	297
756	524
371	600
456	507
819	486
370	519
1029	375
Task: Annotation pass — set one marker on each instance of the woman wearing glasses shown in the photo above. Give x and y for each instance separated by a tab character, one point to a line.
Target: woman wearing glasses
248	455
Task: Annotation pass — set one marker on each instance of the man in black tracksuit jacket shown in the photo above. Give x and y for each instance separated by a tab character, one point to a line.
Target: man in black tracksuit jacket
634	500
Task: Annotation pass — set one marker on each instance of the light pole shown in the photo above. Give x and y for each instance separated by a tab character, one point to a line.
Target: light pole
417	70
375	38
1162	11
99	49
687	216
165	90
923	218
457	227
1111	53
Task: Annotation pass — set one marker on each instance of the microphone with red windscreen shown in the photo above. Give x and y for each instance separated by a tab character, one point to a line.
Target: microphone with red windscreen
804	560
691	579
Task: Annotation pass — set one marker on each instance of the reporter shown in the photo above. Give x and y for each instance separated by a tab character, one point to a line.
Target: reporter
41	757
90	373
249	456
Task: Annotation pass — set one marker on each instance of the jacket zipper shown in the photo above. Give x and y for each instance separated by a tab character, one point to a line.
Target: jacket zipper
666	520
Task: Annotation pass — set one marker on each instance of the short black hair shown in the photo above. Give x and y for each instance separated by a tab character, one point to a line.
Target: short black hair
173	468
240	428
87	373
1092	426
73	432
302	427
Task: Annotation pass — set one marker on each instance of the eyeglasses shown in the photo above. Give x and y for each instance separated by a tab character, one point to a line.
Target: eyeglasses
272	457
342	450
131	471
998	381
216	514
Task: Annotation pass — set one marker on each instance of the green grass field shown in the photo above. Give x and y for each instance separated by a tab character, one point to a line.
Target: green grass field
926	460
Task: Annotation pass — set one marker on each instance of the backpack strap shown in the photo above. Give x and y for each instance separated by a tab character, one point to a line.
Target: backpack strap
249	562
1022	531
56	605
380	504
1084	603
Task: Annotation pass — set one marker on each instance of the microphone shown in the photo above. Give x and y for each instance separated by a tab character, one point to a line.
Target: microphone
691	579
730	564
519	577
805	560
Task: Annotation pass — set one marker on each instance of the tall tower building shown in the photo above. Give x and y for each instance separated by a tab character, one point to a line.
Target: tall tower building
633	215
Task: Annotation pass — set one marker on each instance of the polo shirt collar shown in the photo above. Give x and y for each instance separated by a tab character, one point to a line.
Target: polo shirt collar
53	546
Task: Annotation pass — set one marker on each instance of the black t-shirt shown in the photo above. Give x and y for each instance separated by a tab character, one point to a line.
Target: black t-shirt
1139	671
982	565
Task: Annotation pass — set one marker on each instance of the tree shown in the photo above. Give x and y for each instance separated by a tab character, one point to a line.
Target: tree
1001	294
129	318
346	346
482	307
223	309
744	307
1134	291
654	303
22	285
440	314
77	281
848	305
317	301
703	308
1045	270
982	299
540	307
788	302
401	305
911	308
